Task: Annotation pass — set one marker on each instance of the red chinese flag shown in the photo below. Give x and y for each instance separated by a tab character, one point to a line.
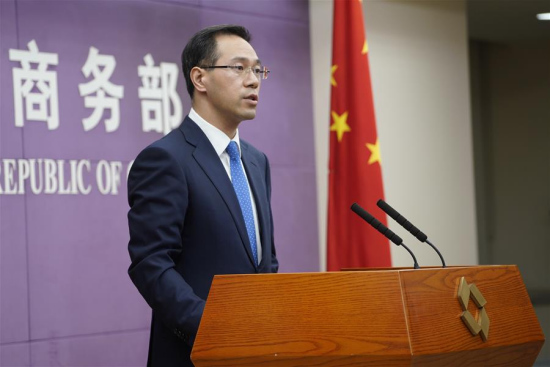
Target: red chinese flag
355	174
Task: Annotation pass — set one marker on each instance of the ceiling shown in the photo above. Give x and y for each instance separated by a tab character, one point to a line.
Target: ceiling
506	21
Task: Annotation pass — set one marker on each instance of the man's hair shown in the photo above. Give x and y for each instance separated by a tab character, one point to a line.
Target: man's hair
201	49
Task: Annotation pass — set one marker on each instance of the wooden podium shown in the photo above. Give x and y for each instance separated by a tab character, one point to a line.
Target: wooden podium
384	317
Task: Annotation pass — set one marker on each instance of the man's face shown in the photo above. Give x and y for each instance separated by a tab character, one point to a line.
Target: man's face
233	97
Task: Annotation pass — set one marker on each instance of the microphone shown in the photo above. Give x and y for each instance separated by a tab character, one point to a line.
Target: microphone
408	226
382	229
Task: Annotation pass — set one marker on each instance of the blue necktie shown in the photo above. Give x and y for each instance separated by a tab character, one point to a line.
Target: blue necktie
243	194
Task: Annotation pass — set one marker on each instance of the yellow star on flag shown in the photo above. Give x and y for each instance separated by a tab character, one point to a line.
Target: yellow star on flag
365	48
374	152
340	124
332	70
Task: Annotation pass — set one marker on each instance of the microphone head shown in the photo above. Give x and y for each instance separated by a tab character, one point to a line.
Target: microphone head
376	224
401	220
388	209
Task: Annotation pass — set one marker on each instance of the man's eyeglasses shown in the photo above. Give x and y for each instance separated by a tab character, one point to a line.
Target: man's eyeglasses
260	72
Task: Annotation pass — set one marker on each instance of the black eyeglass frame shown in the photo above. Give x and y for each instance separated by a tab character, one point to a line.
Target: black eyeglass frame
264	71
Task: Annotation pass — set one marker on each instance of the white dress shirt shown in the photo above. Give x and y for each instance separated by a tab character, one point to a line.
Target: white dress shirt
220	141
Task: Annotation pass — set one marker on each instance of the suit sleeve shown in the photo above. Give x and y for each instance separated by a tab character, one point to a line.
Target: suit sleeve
274	261
158	198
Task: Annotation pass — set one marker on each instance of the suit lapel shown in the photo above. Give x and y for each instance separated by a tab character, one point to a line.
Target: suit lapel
209	161
256	179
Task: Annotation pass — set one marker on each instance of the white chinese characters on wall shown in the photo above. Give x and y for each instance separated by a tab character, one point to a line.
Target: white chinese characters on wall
158	94
36	88
36	94
100	68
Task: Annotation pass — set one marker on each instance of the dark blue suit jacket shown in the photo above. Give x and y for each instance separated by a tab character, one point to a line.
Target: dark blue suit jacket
186	226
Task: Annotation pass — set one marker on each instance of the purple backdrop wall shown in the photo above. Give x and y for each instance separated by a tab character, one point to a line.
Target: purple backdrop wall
66	298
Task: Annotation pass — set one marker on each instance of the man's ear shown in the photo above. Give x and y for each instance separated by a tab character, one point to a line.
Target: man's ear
197	78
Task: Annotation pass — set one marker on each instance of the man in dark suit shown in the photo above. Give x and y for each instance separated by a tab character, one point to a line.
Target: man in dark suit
200	197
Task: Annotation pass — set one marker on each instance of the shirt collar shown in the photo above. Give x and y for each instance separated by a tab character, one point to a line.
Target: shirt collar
217	138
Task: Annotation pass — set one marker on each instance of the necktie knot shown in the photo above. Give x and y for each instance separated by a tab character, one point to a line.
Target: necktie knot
233	151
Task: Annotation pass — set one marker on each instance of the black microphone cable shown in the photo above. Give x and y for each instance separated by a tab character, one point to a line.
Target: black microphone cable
408	226
382	229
